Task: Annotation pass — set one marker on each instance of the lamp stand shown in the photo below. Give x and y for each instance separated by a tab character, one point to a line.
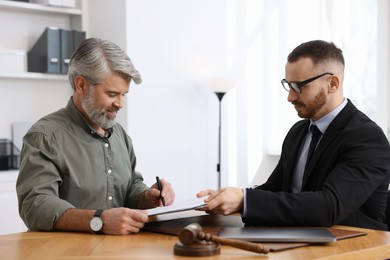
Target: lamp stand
220	96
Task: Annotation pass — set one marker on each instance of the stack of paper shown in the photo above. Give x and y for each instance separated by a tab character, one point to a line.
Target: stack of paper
184	205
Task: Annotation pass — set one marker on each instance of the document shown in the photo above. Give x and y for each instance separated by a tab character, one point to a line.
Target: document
188	204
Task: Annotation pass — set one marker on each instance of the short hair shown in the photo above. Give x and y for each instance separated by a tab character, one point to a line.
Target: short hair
95	59
318	51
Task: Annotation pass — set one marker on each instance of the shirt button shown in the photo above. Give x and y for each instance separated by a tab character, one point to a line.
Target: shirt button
110	197
109	171
106	145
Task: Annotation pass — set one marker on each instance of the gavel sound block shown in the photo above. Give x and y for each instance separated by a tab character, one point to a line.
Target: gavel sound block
194	242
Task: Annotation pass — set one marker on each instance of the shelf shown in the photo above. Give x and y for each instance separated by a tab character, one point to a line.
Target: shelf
33	75
7	176
9	172
37	8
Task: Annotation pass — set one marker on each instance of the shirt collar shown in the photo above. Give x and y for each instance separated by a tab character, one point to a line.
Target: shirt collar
325	121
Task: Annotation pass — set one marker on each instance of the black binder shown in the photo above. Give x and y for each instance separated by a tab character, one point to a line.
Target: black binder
78	37
69	41
45	56
66	49
52	51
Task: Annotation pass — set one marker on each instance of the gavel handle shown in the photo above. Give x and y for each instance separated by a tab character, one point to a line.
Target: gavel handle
245	245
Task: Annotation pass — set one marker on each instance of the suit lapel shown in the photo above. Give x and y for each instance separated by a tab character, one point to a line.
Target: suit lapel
332	132
292	155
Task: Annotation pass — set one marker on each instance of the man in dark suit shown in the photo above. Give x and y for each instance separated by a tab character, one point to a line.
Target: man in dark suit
344	181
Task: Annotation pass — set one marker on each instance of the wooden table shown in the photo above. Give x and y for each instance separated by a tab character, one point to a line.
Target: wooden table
147	245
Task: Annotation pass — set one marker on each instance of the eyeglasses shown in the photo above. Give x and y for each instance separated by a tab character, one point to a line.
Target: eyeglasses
297	85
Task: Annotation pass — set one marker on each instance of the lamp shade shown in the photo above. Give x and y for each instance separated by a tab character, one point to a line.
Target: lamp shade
220	85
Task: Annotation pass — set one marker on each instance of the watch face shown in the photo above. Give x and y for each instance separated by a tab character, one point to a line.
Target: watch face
96	224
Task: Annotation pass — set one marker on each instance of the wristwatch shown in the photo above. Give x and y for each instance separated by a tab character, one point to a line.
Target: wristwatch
96	223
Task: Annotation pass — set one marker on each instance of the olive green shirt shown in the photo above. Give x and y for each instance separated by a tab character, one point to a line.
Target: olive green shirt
66	164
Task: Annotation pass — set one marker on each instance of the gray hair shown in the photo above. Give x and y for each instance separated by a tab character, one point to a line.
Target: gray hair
95	59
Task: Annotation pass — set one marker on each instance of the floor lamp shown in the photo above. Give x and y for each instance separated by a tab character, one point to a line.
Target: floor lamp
220	86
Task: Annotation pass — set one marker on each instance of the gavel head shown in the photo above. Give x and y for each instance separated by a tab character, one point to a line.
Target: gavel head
190	234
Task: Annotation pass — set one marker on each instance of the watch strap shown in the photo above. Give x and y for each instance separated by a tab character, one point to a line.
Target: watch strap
98	214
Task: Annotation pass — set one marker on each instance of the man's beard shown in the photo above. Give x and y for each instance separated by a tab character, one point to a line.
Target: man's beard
312	106
96	115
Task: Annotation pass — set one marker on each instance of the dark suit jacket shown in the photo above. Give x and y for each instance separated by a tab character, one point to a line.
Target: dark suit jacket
345	183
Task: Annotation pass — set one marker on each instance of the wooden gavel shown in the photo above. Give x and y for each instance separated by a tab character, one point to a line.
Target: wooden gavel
193	232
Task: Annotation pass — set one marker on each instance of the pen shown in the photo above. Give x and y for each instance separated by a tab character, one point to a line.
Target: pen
160	189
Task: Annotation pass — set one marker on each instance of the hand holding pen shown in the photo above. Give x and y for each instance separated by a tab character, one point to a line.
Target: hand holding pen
159	186
159	194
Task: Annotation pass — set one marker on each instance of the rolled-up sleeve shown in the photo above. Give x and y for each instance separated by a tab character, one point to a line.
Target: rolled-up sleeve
38	182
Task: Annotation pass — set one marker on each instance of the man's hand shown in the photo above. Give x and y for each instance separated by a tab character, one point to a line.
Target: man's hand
116	221
123	221
151	197
225	201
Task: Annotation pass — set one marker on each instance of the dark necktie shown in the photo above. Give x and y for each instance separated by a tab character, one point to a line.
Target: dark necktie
316	133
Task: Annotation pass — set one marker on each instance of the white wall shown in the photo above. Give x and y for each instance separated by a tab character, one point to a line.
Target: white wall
173	118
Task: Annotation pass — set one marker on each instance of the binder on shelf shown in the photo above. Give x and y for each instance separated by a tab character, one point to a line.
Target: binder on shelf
45	56
69	41
78	36
52	52
66	49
